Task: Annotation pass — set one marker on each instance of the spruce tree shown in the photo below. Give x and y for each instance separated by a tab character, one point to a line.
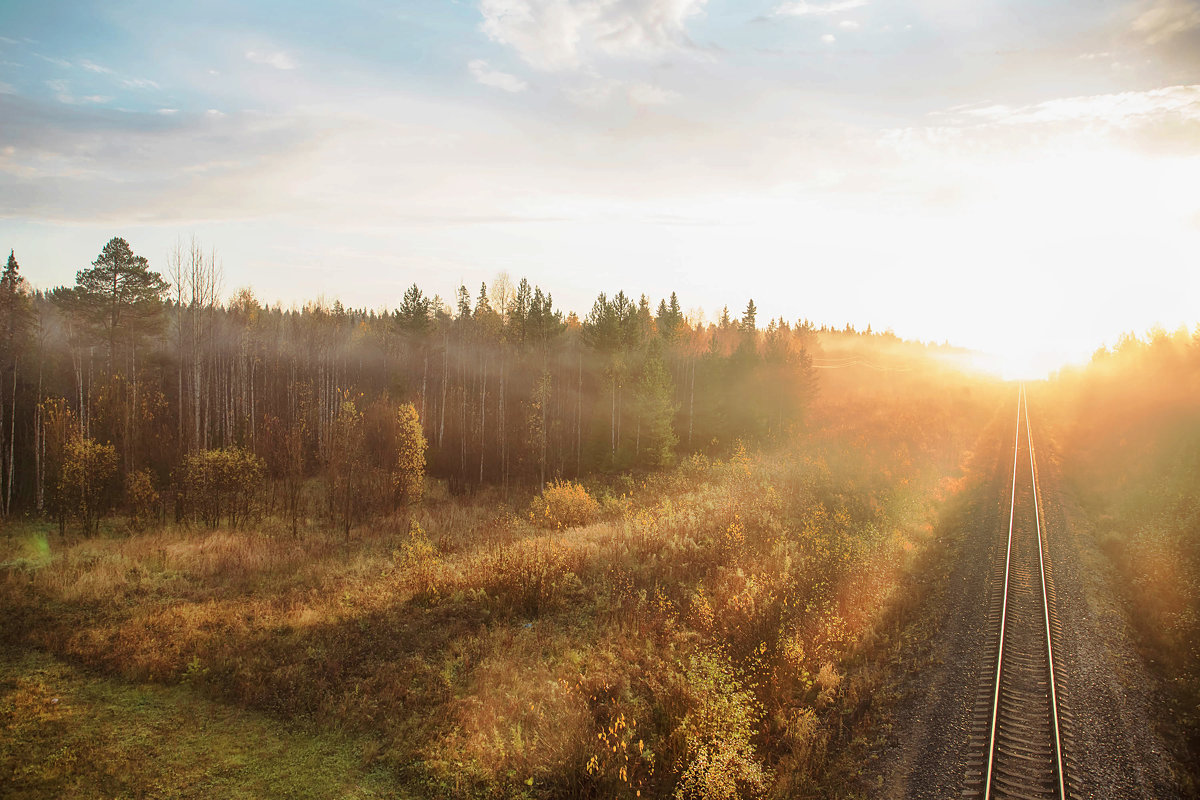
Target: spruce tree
656	409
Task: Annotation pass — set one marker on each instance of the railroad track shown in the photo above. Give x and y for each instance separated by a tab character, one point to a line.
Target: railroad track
1017	732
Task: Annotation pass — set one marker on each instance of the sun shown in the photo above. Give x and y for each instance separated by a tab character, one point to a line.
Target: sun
1018	366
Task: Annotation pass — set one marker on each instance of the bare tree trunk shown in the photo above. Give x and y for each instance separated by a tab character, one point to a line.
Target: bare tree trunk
503	428
12	443
579	421
38	444
445	364
482	415
692	403
424	383
545	431
612	422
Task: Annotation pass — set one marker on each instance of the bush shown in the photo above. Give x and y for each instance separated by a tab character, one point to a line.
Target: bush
722	763
88	469
226	481
408	478
563	504
140	498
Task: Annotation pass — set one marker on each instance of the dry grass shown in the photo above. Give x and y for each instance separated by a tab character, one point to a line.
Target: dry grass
690	640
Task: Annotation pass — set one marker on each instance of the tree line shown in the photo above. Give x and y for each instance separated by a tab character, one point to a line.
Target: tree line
142	388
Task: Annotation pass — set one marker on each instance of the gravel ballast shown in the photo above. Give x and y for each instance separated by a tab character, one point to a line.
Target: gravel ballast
1115	749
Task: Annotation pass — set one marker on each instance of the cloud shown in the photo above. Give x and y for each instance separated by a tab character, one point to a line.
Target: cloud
828	38
848	25
804	9
139	83
565	34
1162	122
91	66
1121	108
647	94
62	92
166	112
1165	19
150	165
58	62
277	59
596	93
485	74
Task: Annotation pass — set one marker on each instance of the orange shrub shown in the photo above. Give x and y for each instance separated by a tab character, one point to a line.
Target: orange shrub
563	504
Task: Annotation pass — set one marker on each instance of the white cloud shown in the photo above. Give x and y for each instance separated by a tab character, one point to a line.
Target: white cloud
91	66
848	25
139	83
564	34
485	74
1118	108
1165	19
213	112
166	112
828	38
7	88
276	58
804	9
62	92
58	62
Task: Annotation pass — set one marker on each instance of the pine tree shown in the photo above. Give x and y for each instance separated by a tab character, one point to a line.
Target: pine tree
749	317
120	294
415	312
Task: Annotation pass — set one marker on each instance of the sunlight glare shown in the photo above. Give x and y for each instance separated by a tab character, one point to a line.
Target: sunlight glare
1018	366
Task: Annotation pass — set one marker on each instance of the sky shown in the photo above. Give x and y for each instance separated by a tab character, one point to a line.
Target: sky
1017	177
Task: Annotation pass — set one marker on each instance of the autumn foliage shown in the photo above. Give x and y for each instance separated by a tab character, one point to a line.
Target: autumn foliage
563	504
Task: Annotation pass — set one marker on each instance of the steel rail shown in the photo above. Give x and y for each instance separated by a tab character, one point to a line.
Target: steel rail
1058	759
1003	685
987	778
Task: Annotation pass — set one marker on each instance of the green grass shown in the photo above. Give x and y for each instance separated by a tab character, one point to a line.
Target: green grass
65	733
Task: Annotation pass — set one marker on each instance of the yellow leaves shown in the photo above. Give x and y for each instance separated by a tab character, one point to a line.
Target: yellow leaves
564	504
735	534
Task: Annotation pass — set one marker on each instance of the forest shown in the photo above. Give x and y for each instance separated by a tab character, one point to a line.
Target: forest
120	390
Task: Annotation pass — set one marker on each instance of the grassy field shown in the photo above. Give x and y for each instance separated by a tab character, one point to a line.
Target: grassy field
712	631
68	733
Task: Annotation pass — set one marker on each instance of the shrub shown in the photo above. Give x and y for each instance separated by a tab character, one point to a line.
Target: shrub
722	763
408	478
226	481
419	558
87	470
140	498
563	504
